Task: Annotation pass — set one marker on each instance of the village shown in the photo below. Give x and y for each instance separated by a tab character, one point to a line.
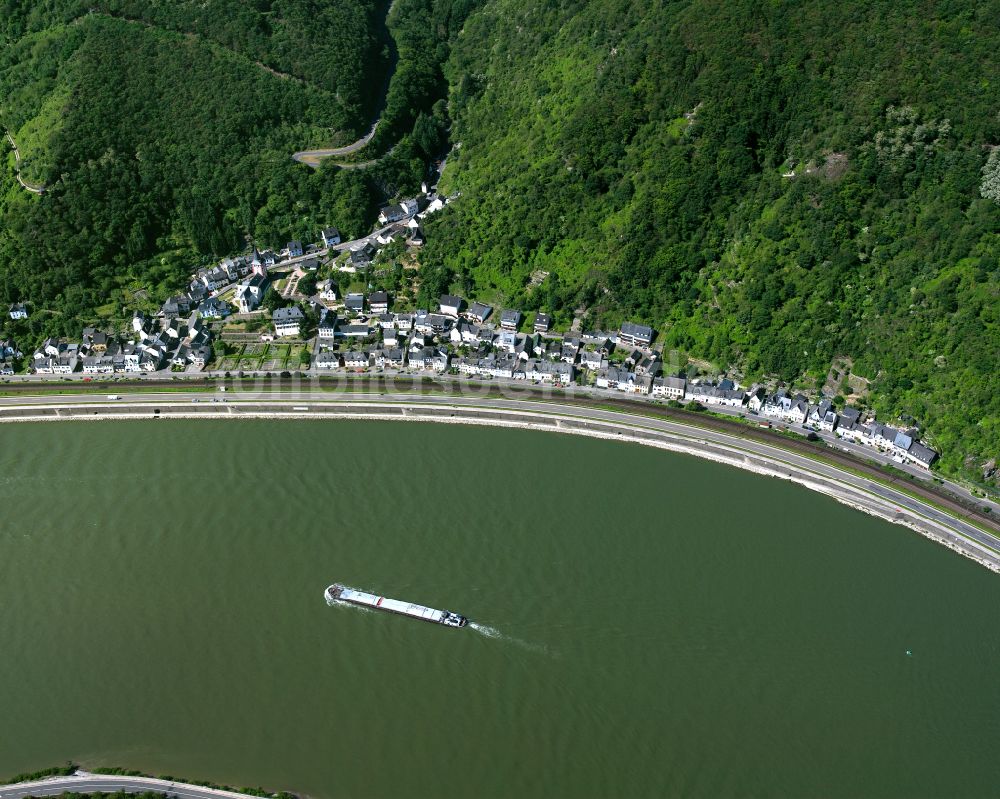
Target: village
268	311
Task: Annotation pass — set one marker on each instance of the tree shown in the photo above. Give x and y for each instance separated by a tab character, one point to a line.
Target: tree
307	284
273	300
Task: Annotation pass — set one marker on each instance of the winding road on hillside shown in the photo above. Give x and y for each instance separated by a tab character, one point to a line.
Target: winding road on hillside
32	187
314	157
83	782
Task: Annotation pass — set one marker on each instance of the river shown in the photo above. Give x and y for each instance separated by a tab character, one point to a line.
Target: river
647	624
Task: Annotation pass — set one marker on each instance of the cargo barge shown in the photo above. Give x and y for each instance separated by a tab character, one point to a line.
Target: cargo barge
340	593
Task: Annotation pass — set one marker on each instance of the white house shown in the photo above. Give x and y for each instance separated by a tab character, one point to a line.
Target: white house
330	236
715	395
327	290
591	359
823	417
393	358
250	293
327	328
510	319
18	311
450	305
287	321
327	360
404	321
213	308
378	302
632	335
669	387
921	455
355	302
549	372
755	398
421	358
479	312
464	333
611	376
391	213
780	406
356	360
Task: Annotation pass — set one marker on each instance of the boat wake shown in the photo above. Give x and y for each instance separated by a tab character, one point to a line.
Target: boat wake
493	632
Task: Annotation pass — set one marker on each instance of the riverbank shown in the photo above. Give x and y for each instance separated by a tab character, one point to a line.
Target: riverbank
84	782
858	491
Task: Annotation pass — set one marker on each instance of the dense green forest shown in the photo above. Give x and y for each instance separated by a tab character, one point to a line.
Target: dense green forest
775	187
161	148
163	134
636	152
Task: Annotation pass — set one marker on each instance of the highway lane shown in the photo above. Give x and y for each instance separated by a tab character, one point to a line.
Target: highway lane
82	782
278	402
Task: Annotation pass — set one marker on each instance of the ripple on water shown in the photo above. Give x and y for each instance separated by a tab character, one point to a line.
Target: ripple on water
638	618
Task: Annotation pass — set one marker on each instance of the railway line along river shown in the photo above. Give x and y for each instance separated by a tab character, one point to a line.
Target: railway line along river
643	623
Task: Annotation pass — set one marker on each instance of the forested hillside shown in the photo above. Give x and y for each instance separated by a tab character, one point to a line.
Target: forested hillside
775	187
770	185
163	133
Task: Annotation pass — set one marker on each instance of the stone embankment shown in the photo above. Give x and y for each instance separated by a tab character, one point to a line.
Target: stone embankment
84	782
877	499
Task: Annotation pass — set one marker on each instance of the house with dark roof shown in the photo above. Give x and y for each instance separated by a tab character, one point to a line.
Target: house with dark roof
355	302
378	302
176	306
543	322
391	213
288	321
669	387
250	292
510	319
634	335
294	249
330	236
921	454
363	255
327	328
214	308
450	305
327	360
822	416
479	312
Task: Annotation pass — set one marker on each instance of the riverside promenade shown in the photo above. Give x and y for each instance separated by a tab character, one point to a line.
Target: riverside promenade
978	540
84	782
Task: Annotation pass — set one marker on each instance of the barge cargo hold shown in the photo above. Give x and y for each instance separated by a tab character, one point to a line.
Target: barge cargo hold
340	593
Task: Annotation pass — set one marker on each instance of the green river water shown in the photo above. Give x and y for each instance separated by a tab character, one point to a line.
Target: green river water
648	624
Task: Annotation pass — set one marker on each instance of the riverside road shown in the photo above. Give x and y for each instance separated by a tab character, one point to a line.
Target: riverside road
82	782
973	540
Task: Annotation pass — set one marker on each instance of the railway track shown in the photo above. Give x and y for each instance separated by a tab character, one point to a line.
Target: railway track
960	507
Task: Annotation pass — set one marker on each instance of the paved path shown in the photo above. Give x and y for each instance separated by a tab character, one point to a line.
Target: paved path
82	782
859	451
33	188
861	490
314	157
